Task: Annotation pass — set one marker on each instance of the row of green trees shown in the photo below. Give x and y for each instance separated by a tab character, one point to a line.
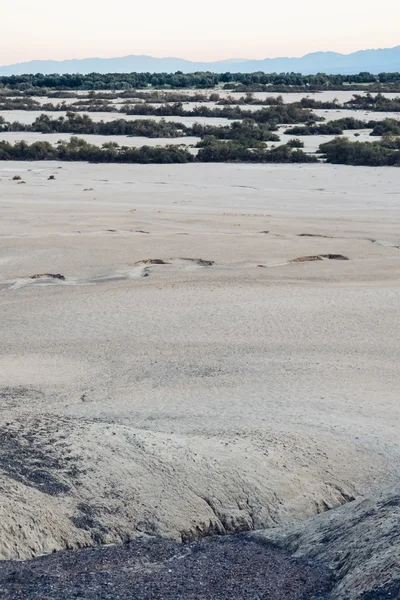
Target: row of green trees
83	124
279	113
379	128
274	115
247	129
232	151
118	81
377	103
77	149
367	101
332	127
338	151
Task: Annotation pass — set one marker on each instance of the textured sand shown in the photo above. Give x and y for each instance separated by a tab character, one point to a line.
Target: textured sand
186	398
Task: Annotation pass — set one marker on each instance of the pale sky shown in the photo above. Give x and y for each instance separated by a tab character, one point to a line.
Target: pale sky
200	30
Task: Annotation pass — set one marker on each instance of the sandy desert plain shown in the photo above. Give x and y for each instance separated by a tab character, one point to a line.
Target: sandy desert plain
167	368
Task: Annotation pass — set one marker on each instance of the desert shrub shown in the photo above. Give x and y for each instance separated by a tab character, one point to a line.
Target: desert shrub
379	153
231	151
386	127
295	143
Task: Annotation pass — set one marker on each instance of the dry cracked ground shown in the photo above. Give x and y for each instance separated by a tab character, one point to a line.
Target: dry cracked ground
194	350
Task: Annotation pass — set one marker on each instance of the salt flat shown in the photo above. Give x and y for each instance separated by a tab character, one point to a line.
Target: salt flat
186	398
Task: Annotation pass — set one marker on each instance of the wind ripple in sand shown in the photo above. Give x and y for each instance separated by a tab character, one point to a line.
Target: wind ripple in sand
141	269
48	279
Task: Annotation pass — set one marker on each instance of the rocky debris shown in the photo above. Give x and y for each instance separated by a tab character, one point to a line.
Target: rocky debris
49	275
359	541
200	261
17	178
319	257
315	235
306	258
221	568
334	256
51	178
150	261
387	592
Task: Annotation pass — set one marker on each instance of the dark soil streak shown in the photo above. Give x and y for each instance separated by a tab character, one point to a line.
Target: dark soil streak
222	568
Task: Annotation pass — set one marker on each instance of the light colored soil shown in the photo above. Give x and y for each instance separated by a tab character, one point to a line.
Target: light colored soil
185	399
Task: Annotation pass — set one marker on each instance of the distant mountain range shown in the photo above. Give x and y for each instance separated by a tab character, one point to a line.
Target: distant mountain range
374	61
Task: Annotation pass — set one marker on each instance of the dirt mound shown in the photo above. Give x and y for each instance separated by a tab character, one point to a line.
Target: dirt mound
83	474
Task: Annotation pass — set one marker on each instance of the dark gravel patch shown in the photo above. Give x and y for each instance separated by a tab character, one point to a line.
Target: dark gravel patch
222	568
388	592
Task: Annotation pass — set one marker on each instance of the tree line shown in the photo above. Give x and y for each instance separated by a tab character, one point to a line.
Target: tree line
74	123
83	124
172	104
76	149
279	113
121	81
274	115
338	151
379	128
377	103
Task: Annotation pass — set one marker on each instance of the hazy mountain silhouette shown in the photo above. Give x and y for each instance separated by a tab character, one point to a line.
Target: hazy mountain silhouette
374	61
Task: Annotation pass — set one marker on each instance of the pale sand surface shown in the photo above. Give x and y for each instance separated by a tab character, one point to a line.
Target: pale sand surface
185	399
363	115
